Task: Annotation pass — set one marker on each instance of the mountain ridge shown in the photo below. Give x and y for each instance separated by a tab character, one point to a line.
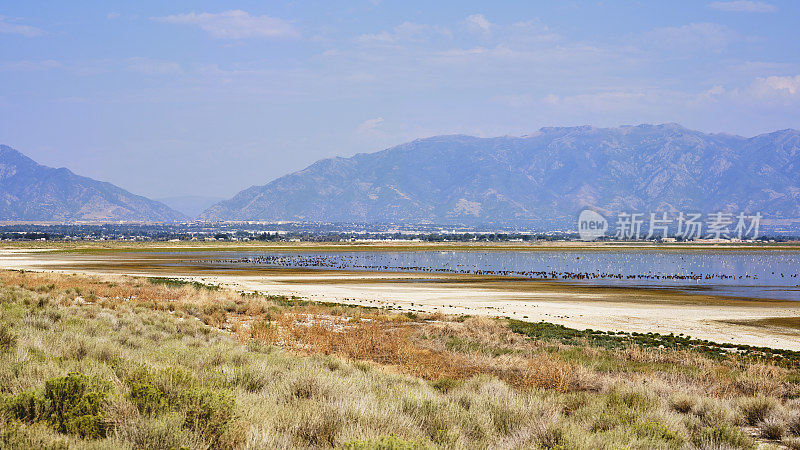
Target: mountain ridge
545	177
30	191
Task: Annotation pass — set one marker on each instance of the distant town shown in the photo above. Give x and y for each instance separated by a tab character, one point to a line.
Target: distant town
317	232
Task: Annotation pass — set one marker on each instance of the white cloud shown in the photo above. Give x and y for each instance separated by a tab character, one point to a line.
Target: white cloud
522	33
603	101
29	66
762	94
531	31
9	26
715	92
477	22
234	24
113	15
692	37
776	88
148	66
405	32
743	6
369	126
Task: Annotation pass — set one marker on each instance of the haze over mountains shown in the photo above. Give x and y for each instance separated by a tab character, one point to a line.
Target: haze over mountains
541	179
190	205
32	192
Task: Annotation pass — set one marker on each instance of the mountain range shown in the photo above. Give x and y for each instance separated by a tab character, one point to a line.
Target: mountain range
543	179
33	192
540	179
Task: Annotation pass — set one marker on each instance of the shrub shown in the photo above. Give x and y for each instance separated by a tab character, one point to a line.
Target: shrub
605	422
630	399
163	432
71	404
74	405
390	442
308	387
683	403
207	413
656	430
773	428
7	340
318	427
18	435
26	406
147	398
551	436
755	409
722	436
712	412
249	379
505	418
793	423
264	331
445	384
172	390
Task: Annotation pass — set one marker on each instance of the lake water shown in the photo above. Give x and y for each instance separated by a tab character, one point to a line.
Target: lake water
762	274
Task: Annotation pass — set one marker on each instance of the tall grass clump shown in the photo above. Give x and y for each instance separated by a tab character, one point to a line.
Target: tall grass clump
119	362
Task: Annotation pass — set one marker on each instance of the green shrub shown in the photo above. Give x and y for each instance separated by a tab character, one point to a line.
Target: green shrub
206	412
177	283
71	404
551	436
630	399
26	406
445	385
172	391
173	381
147	398
318	427
656	430
75	405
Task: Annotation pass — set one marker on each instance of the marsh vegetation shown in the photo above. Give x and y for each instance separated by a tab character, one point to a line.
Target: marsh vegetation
123	362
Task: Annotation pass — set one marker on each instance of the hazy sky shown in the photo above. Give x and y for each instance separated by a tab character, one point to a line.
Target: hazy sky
207	98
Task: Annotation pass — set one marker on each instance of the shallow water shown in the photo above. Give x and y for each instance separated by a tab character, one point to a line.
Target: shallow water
759	274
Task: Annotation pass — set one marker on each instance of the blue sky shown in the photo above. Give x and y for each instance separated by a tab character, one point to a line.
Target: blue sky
207	98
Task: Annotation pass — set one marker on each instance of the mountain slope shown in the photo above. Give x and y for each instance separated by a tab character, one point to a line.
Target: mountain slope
30	191
545	178
190	205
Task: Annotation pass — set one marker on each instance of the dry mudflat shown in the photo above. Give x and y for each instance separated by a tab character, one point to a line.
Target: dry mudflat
754	322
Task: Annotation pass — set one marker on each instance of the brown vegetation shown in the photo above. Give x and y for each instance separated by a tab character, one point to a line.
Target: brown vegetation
187	364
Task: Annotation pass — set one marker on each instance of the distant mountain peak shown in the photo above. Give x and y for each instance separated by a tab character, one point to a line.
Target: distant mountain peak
541	179
8	153
33	192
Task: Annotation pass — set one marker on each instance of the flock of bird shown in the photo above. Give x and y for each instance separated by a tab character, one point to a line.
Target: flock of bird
378	262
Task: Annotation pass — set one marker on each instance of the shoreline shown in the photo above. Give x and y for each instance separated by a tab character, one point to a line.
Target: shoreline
737	321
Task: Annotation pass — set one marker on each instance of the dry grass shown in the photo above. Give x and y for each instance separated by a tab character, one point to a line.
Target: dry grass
317	375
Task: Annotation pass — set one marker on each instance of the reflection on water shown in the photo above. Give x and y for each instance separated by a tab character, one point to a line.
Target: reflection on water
763	274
